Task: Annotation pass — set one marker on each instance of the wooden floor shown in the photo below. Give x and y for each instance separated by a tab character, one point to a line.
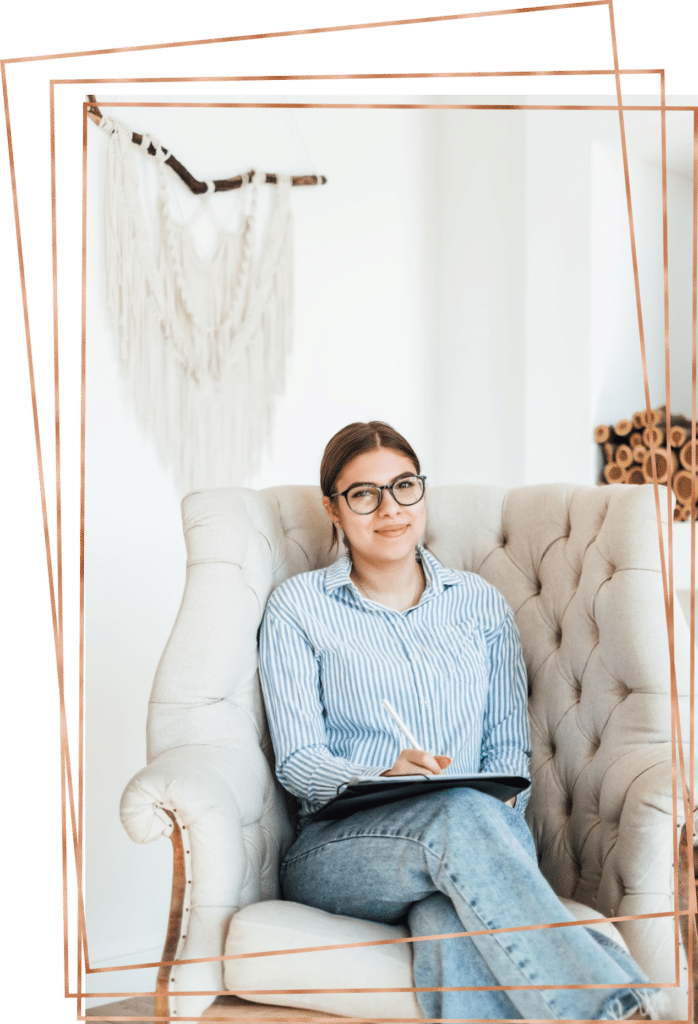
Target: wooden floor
229	1007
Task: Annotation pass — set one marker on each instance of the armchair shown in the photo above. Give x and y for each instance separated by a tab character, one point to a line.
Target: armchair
580	568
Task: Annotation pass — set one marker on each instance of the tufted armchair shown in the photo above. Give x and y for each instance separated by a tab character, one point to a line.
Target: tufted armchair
580	568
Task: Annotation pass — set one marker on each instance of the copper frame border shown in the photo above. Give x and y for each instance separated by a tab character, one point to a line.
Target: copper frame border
55	583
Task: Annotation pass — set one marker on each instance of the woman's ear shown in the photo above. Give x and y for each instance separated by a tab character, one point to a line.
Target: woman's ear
331	511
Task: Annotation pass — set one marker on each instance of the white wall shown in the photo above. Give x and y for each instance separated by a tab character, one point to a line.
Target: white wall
478	363
463	275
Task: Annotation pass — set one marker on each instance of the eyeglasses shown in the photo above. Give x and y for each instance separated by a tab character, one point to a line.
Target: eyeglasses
365	498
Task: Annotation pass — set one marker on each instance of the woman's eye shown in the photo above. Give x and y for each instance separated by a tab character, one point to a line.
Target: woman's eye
361	494
405	485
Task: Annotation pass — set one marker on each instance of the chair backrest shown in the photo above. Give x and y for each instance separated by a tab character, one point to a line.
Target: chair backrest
580	568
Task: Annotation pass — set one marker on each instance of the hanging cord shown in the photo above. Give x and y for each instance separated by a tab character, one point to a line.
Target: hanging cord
299	135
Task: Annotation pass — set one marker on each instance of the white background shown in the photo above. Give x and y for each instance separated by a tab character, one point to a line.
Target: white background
447	280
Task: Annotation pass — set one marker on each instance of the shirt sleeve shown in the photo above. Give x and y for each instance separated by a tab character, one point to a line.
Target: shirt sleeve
289	674
506	741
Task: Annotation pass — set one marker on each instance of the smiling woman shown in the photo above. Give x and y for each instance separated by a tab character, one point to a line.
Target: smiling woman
381	522
388	622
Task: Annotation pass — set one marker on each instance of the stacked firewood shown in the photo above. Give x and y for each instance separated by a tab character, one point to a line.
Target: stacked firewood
630	446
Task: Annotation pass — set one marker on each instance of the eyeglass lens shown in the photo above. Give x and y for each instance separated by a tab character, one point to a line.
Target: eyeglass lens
366	498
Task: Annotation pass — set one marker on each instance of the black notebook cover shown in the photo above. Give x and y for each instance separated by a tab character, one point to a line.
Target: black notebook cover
385	790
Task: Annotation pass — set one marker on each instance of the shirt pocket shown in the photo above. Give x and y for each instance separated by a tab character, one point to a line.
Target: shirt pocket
458	649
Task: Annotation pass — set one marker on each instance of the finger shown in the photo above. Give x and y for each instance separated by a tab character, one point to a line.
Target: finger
424	760
443	759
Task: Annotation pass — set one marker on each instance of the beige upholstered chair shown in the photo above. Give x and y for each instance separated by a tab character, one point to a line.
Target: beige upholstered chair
580	567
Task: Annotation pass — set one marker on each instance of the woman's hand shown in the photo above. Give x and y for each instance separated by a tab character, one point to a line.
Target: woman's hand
418	762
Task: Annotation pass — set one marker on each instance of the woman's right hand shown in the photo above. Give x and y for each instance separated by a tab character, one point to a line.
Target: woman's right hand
418	762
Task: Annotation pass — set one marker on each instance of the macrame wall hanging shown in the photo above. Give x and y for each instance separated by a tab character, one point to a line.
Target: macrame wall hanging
203	342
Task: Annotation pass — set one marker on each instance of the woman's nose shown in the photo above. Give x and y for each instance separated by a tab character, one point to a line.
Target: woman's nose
388	504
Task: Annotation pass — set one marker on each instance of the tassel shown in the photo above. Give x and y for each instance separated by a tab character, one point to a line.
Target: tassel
203	344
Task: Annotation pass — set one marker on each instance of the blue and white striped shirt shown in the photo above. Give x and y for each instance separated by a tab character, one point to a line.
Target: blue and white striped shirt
451	666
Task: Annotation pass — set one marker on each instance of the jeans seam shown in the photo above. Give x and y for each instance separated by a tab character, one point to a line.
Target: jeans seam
498	939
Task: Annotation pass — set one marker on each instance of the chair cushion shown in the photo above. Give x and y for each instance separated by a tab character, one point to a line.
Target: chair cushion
278	924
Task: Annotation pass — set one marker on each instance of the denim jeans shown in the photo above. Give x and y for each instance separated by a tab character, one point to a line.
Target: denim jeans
459	860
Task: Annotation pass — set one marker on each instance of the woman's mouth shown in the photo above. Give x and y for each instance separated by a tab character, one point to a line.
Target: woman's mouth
392	531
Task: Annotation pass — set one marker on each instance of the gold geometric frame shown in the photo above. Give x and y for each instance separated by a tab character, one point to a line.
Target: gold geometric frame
75	807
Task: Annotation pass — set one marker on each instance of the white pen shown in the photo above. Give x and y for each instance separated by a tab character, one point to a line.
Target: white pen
414	743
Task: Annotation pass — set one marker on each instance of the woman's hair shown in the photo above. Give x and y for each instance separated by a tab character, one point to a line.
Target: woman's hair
353	440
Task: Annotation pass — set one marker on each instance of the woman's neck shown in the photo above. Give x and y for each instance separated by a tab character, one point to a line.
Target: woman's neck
397	585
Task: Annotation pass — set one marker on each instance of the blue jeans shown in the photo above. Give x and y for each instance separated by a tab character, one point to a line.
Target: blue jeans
459	860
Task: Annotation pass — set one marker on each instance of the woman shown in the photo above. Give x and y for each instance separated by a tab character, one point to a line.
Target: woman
389	621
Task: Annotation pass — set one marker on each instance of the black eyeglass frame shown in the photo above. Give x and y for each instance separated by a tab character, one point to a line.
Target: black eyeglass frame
381	488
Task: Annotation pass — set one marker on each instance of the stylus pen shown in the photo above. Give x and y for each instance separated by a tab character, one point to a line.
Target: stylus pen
414	743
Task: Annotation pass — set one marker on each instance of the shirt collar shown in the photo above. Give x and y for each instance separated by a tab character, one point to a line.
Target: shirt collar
438	576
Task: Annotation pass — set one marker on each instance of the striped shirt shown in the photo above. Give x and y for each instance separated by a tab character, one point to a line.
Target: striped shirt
451	666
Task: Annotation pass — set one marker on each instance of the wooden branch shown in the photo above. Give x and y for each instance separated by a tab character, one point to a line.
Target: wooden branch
602	433
639	452
220	184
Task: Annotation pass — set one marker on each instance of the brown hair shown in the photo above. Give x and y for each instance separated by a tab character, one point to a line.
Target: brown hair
353	440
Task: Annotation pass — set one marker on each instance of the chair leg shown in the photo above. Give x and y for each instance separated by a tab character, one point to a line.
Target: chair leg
174	924
687	922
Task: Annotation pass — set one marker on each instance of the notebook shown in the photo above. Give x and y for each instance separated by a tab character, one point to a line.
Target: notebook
371	791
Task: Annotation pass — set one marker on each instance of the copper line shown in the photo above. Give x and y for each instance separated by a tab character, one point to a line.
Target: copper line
59	549
81	641
311	31
690	851
433	988
59	559
667	363
506	107
380	75
384	942
676	726
30	359
333	1020
652	447
397	107
56	385
44	511
347	1020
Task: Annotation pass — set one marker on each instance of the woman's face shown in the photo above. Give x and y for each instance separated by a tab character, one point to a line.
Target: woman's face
391	532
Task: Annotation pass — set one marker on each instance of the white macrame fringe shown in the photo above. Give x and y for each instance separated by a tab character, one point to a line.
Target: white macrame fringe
204	343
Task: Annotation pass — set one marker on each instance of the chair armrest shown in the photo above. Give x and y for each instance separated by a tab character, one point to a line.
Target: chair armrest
217	799
637	874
